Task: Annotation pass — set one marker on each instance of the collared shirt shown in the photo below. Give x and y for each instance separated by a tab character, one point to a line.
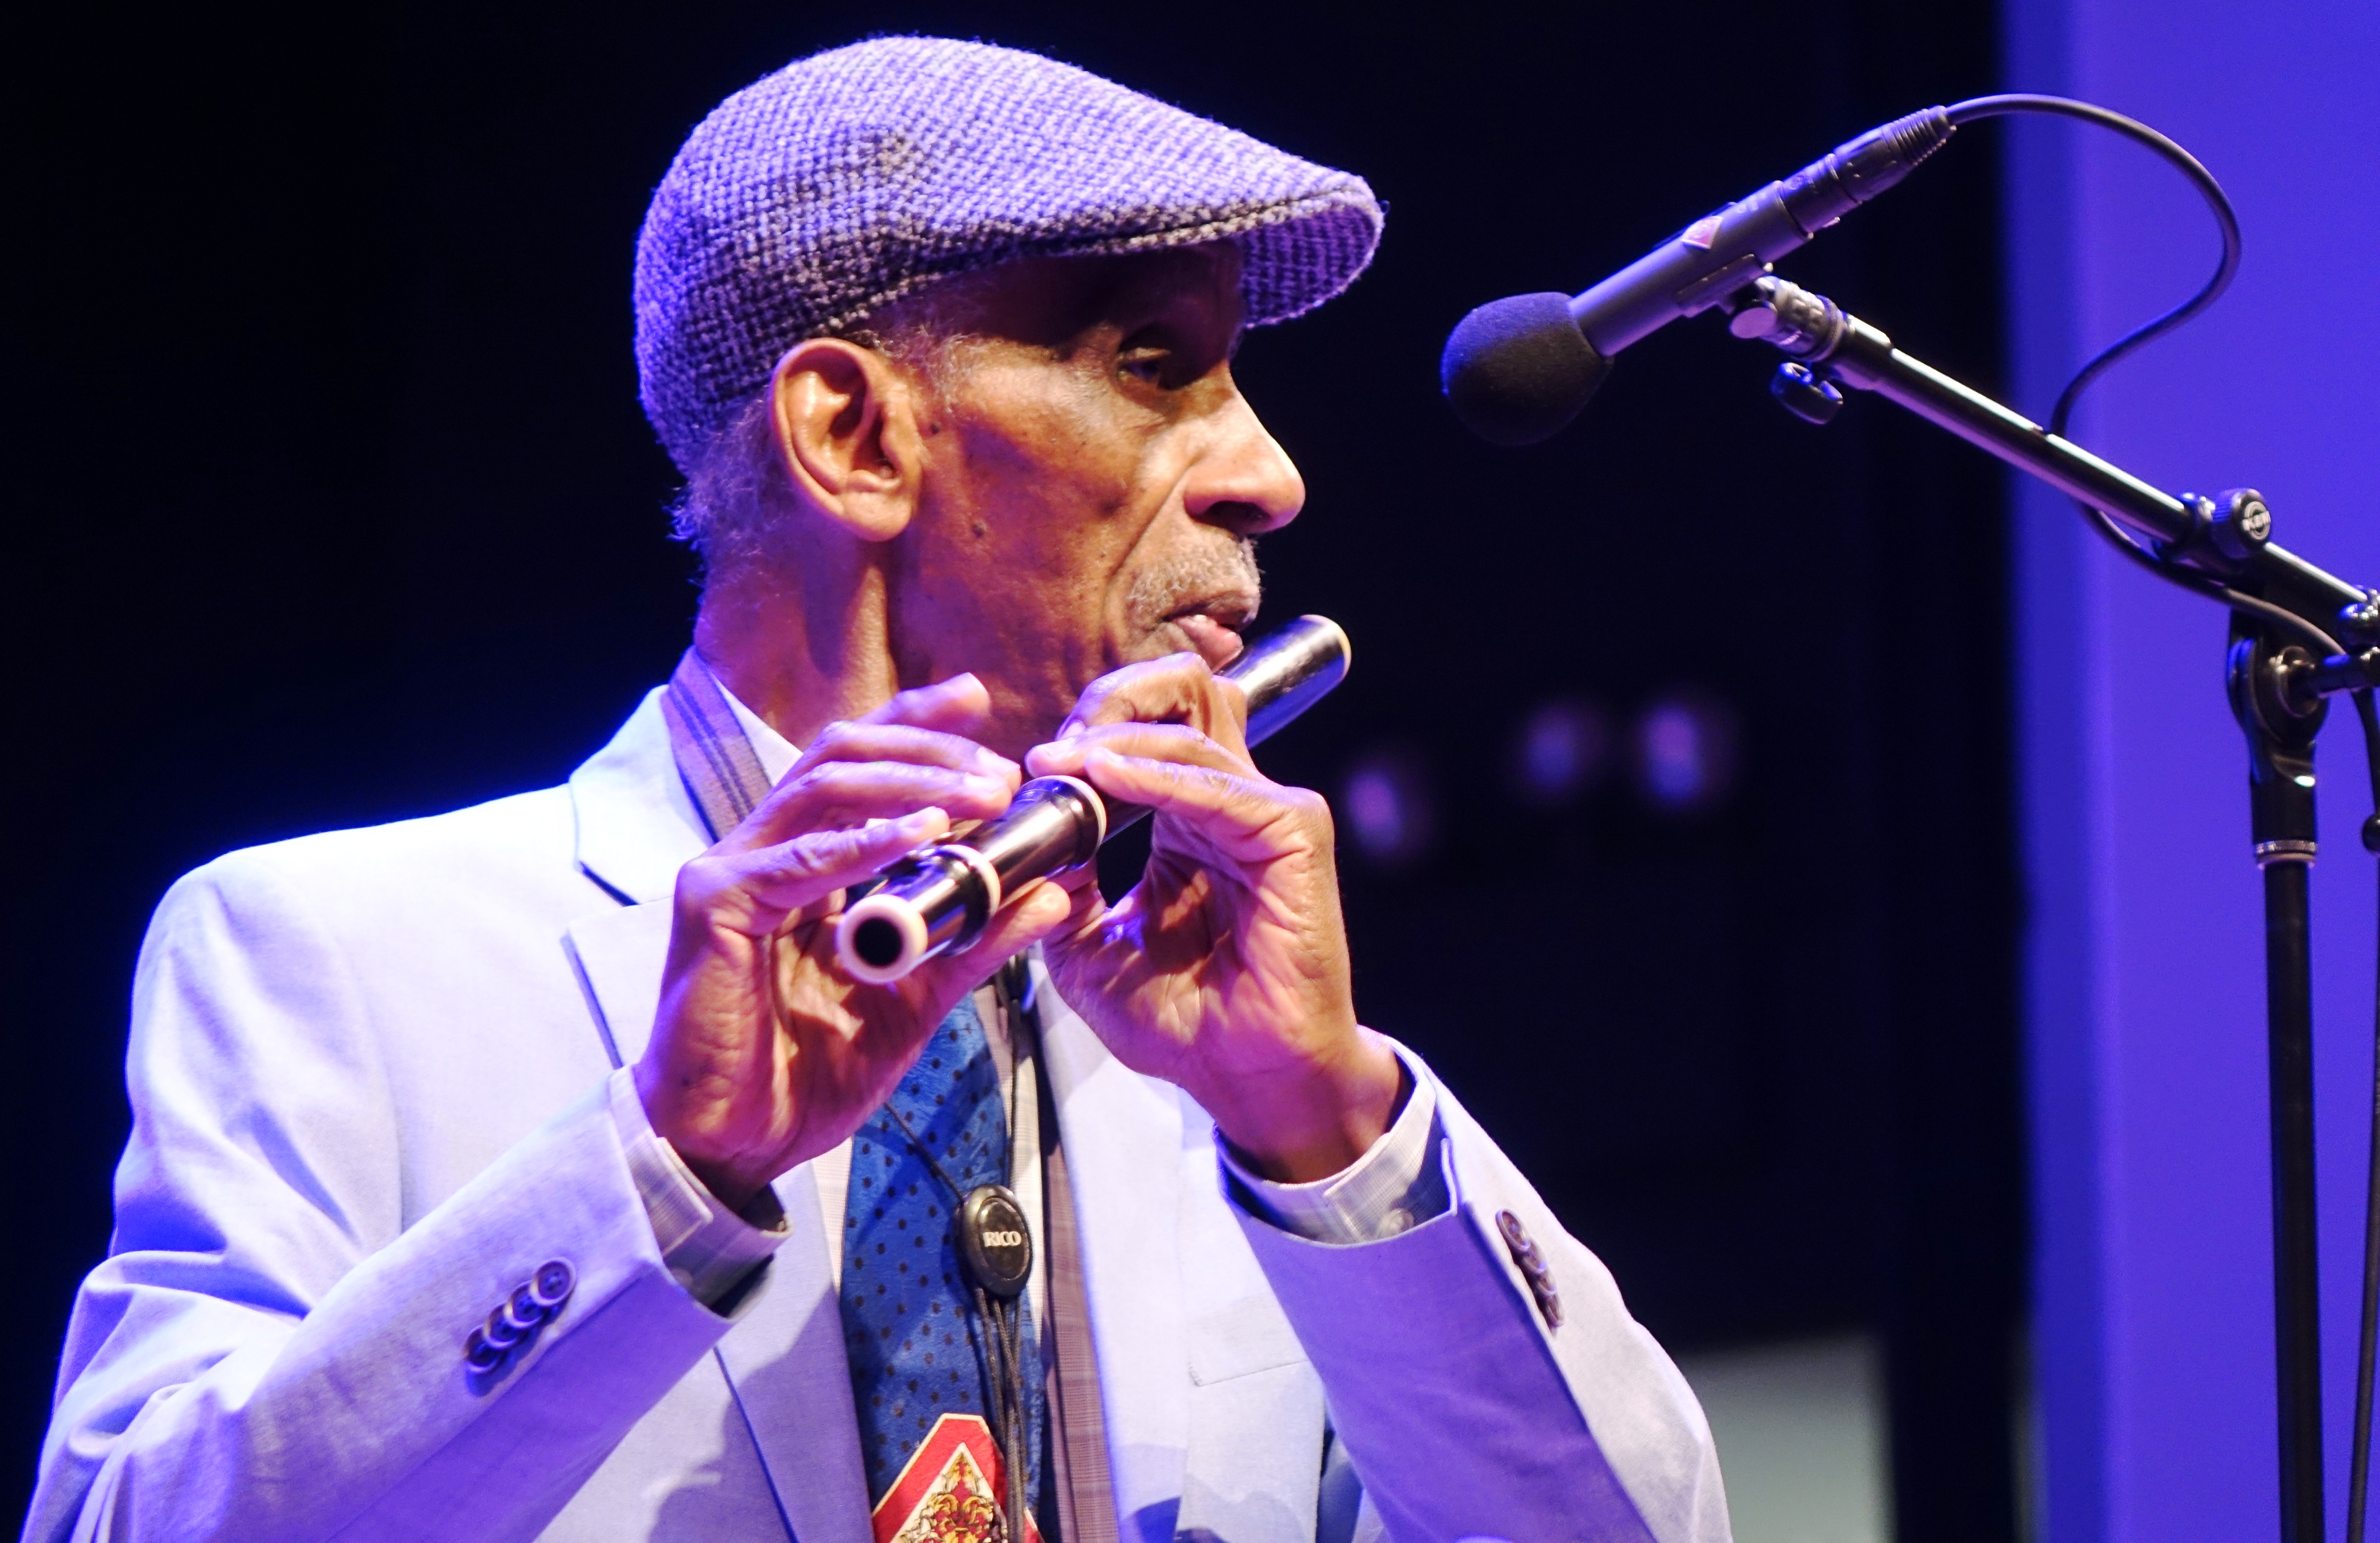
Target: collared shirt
711	1249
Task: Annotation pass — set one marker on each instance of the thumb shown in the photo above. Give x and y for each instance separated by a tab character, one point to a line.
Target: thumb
1024	922
953	705
1078	931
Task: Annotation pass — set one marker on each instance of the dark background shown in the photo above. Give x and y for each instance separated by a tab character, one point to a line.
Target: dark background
330	502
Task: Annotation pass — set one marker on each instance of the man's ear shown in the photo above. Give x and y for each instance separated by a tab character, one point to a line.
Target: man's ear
846	425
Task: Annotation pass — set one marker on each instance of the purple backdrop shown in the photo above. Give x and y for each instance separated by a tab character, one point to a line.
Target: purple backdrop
2153	1300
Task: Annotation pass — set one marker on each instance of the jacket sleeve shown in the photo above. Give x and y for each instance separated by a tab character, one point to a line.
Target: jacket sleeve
269	1352
1485	1377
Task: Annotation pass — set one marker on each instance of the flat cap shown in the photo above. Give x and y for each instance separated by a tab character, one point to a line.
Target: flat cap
850	179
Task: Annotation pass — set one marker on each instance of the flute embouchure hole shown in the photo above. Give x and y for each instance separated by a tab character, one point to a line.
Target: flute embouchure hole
878	943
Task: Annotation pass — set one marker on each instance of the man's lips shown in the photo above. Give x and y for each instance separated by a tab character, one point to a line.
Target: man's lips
1212	627
1216	643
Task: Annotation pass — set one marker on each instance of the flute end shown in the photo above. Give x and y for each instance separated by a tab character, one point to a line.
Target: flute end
879	940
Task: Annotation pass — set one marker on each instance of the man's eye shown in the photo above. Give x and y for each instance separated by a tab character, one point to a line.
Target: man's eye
1147	364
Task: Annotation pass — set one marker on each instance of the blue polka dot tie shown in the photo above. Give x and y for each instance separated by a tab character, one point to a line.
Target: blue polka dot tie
917	1351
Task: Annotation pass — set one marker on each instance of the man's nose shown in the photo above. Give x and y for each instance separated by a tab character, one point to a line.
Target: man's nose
1244	481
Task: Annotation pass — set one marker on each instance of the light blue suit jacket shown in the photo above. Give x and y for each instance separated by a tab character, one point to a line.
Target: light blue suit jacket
367	1072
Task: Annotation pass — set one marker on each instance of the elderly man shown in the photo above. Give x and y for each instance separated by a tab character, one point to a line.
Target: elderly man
534	1171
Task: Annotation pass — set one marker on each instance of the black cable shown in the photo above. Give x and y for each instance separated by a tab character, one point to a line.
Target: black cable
2199	584
2227	221
2190	166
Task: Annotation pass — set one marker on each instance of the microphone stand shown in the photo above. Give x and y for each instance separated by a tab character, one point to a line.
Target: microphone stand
2277	691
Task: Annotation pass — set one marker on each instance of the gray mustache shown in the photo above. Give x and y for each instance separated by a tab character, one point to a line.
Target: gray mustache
1160	590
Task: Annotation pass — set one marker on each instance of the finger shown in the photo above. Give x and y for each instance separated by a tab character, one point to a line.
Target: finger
953	705
838	794
1177	742
1075	879
808	868
1178	688
902	742
1219	801
1083	925
1032	915
1086	905
1030	918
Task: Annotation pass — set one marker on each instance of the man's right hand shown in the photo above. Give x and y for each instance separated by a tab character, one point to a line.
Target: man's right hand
764	1054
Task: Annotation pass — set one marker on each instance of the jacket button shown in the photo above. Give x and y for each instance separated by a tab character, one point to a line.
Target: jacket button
499	1330
1516	1237
479	1355
524	1311
1532	1265
553	1284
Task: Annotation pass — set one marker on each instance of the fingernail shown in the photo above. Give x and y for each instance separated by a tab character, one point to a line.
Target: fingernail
925	822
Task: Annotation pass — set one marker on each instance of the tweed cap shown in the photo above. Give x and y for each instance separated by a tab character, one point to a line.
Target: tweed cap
853	177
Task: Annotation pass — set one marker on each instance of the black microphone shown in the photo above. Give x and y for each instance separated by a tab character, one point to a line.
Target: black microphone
1516	370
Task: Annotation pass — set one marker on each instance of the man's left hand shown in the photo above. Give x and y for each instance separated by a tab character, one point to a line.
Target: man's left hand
1225	970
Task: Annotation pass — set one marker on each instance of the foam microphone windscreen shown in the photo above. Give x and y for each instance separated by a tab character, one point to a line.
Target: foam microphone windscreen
1516	370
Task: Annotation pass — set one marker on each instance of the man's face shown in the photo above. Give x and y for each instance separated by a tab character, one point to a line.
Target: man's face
1092	479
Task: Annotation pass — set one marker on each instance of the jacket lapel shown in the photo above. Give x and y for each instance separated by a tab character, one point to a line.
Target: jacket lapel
637	826
1122	1137
1208	1394
784	1359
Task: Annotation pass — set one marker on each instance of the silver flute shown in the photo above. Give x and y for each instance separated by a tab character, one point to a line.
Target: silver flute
941	897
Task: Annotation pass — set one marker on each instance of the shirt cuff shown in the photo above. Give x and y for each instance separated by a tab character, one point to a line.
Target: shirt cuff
706	1248
1393	1187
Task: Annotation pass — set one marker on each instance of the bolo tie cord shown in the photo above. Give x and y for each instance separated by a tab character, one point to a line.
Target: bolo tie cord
1008	1384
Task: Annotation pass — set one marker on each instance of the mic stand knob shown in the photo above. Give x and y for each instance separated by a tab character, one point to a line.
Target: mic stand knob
1803	395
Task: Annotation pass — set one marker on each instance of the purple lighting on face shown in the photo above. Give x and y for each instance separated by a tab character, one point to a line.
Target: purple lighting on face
1685	753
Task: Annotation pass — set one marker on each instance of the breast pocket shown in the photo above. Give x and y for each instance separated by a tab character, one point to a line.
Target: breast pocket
1249	1335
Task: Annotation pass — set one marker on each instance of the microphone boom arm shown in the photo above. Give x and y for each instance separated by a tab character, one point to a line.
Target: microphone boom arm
2227	541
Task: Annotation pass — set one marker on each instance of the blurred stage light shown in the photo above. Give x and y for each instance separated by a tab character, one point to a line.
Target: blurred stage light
1561	751
1685	753
1386	805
